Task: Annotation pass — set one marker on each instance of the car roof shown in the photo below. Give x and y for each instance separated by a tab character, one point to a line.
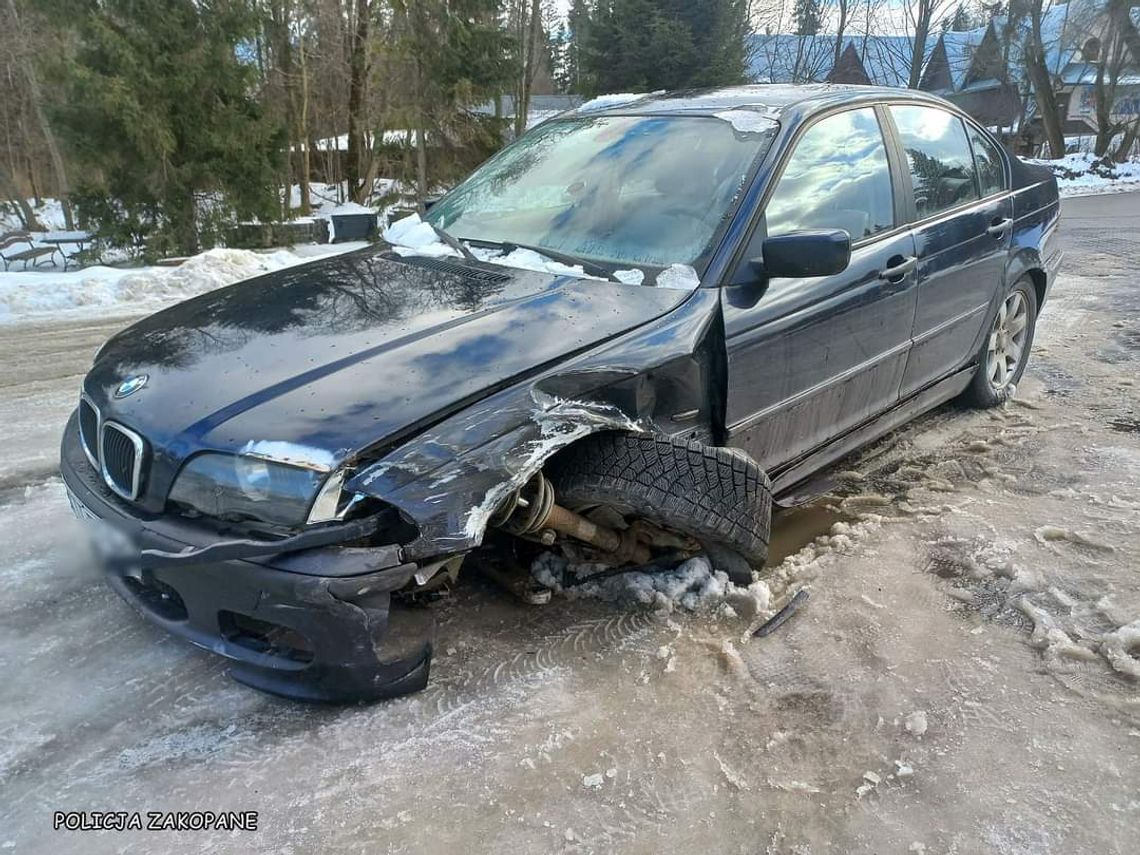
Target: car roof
771	98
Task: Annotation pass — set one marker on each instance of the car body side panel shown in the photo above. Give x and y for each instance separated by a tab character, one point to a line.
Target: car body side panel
1036	212
960	269
810	358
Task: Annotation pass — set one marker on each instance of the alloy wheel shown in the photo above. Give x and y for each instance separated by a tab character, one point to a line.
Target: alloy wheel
1008	339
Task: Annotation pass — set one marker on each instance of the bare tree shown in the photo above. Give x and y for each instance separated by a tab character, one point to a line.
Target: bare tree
361	21
920	17
23	60
1040	79
842	20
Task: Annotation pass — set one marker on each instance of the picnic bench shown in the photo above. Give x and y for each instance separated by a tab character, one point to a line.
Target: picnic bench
77	241
10	249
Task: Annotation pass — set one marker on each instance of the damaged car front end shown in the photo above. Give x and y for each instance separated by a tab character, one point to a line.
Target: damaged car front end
280	469
297	552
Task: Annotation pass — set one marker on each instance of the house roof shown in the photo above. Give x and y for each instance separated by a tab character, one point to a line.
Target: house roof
806	59
952	62
849	69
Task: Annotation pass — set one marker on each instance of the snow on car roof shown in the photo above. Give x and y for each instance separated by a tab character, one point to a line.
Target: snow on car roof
768	98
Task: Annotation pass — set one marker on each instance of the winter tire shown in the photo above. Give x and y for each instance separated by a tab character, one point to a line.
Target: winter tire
721	499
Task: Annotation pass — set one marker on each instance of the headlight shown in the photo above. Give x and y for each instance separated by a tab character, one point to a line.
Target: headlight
230	486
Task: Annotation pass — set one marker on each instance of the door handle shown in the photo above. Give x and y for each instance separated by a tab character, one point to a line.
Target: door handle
899	270
999	227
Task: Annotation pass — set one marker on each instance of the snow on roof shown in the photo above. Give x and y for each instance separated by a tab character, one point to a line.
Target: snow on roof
960	47
802	59
886	59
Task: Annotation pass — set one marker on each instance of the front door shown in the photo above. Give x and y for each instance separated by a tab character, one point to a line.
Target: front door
962	235
809	359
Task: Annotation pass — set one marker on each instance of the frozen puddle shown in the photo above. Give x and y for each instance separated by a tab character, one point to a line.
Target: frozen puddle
797	527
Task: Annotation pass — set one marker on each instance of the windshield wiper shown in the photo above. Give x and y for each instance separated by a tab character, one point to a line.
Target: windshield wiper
451	241
590	267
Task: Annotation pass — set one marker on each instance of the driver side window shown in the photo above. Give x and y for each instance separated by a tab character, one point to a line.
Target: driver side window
838	177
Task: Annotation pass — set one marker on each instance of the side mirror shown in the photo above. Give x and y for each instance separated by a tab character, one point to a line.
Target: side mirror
812	252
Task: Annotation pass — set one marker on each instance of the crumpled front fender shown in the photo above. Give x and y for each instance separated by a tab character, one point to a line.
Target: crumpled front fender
450	488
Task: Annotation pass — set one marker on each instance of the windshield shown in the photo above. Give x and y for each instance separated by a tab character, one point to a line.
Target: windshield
635	190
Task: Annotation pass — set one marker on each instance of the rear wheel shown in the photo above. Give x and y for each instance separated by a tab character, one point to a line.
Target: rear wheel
714	499
1005	350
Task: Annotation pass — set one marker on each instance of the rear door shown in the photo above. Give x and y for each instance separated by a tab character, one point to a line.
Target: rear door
809	359
963	225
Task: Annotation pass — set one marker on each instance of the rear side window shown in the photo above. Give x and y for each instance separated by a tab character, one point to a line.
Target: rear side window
988	162
837	177
941	166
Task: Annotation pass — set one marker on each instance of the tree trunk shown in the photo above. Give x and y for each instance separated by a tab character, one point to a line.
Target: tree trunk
358	71
1103	96
918	48
421	142
306	206
1042	83
840	28
529	65
45	127
23	209
1127	141
283	48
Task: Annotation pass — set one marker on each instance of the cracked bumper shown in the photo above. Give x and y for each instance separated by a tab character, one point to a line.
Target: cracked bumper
318	624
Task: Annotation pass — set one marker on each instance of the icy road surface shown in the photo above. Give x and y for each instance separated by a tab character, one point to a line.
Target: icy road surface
962	679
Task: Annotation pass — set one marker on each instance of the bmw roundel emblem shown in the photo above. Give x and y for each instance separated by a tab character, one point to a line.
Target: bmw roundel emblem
131	385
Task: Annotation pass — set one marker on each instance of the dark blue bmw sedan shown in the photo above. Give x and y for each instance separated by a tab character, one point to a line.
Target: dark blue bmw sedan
622	338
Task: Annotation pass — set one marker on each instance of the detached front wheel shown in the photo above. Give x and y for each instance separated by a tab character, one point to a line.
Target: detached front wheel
718	501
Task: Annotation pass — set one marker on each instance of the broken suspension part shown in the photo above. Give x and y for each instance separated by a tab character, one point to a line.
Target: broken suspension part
531	512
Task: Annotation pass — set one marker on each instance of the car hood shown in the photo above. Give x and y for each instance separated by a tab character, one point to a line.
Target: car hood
350	352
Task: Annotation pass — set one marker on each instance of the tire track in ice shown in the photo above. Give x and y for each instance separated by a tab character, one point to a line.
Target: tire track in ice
551	651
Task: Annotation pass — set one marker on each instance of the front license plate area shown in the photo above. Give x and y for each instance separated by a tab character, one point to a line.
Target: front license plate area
108	542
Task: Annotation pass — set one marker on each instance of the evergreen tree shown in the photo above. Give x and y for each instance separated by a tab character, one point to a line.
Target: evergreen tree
809	17
576	43
456	55
160	117
644	45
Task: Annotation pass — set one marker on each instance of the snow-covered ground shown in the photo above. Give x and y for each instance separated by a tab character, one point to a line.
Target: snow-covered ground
960	680
1082	174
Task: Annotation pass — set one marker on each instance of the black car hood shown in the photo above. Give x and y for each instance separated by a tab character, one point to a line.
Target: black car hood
350	352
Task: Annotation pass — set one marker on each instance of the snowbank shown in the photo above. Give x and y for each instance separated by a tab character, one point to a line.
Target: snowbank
110	291
1082	174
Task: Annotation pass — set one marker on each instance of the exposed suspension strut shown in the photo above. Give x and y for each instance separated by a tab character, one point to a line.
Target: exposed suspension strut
531	512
